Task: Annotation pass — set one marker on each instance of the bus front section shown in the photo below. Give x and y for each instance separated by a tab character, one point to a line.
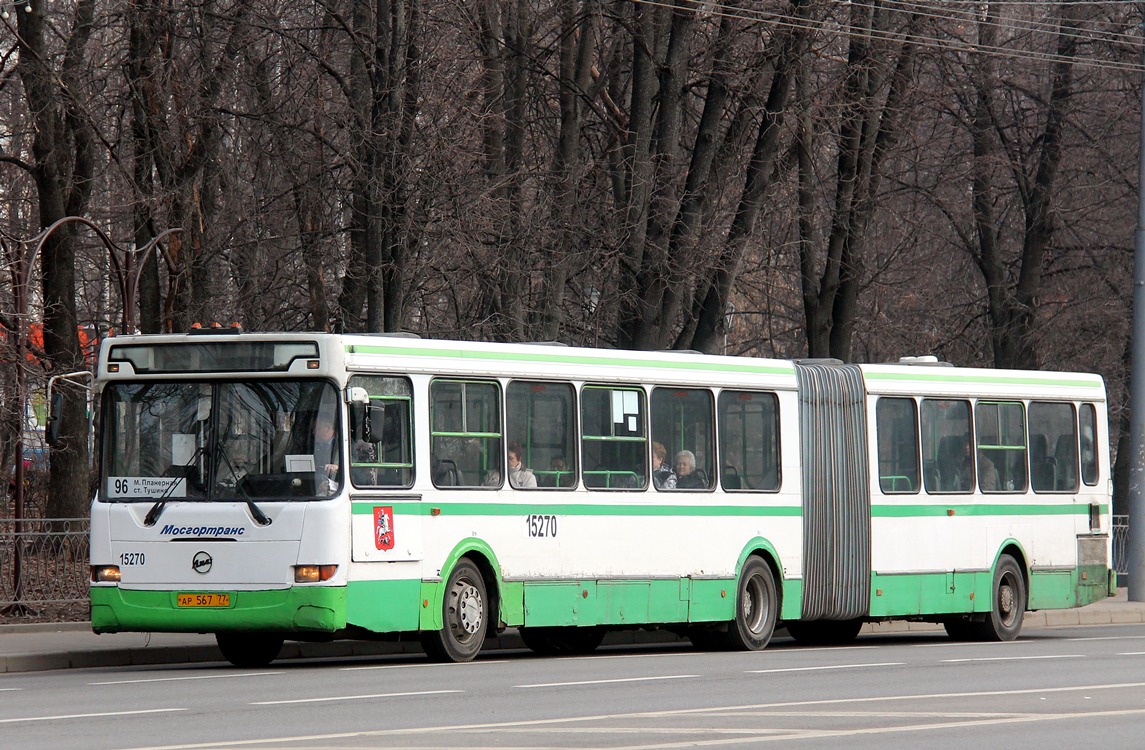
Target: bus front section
218	510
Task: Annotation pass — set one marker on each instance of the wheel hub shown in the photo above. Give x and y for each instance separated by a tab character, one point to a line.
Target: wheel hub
469	609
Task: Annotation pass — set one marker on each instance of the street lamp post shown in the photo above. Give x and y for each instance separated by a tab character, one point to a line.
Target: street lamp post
127	279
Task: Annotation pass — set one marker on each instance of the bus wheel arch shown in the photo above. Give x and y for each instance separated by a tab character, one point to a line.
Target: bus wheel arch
466	606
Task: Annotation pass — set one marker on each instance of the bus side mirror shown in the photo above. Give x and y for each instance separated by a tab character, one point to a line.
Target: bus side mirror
366	422
55	416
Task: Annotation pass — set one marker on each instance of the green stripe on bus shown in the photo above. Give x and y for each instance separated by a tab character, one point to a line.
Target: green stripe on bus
427	508
982	509
569	359
997	379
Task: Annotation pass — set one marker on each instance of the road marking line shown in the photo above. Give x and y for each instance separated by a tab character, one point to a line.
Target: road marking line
1133	653
1016	658
92	716
390	732
831	666
944	642
419	665
796	648
607	682
1106	638
8	690
189	677
354	697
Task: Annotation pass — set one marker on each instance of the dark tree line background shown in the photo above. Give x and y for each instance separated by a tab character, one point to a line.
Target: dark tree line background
790	178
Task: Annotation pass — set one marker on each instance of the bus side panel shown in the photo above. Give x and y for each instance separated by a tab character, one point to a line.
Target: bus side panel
386	606
906	594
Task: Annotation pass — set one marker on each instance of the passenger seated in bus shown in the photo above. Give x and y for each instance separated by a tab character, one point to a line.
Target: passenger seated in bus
519	476
987	473
662	475
561	475
955	464
687	478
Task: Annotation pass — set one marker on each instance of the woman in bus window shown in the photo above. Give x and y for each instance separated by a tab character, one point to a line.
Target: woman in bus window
687	478
519	476
662	475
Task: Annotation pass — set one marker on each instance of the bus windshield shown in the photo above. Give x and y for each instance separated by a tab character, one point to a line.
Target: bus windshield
219	441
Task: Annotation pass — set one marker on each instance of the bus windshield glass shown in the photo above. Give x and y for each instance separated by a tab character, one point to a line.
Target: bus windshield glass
218	441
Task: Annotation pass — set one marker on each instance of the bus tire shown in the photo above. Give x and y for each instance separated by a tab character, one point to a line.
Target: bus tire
825	632
562	641
464	617
1008	604
757	608
249	650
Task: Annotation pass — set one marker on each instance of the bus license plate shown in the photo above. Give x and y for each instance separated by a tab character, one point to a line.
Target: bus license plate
204	600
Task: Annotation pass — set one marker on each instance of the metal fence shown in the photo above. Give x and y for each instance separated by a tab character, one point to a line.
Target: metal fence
1121	545
43	566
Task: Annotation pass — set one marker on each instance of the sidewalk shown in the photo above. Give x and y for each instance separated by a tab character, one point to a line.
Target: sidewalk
37	647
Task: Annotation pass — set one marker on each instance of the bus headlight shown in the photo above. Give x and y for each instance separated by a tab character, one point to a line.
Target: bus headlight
105	574
314	573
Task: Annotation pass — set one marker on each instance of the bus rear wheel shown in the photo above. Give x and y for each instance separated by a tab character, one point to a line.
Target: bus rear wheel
1009	603
464	617
757	608
249	650
562	641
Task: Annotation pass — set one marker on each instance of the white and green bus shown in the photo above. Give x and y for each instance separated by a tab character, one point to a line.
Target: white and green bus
469	487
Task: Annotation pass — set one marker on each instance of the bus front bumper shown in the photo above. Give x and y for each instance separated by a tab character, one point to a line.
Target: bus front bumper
304	609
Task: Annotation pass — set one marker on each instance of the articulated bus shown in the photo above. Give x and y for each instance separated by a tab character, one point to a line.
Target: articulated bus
303	486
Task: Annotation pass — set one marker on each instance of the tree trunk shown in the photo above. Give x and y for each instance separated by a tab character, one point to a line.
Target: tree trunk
63	167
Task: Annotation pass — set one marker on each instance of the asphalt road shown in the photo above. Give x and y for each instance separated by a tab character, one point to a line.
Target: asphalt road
1054	687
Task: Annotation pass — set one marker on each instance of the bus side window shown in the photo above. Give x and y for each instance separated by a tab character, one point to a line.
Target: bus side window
1053	447
682	422
945	429
1001	432
382	455
465	431
896	421
1088	441
541	417
749	440
614	437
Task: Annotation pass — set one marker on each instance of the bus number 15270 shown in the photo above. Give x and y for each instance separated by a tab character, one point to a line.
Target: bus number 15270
540	525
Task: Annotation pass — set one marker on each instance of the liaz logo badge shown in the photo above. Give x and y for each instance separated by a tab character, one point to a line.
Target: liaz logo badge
201	563
384	527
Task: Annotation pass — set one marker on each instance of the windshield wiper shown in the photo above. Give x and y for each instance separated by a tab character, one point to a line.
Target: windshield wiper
157	509
256	512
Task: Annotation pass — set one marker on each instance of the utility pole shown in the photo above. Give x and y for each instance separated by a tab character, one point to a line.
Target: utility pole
1137	385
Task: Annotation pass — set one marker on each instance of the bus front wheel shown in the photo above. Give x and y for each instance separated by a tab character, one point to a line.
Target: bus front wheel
249	650
757	608
464	617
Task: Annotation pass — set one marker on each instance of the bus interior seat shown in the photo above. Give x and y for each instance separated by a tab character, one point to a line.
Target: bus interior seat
730	478
1065	456
1042	468
446	474
949	461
